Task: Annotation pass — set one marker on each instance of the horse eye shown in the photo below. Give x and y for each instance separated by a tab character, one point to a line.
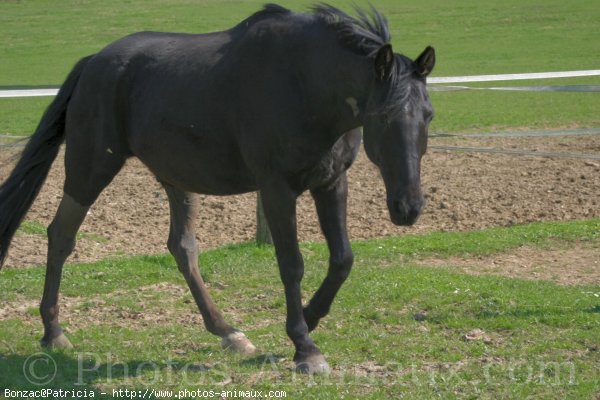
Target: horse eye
429	115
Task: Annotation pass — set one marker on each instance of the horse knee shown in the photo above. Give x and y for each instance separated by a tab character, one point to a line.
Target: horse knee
184	249
340	266
291	269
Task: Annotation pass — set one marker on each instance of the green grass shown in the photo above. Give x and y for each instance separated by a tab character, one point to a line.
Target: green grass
486	111
20	116
43	39
32	228
541	338
489	241
35	228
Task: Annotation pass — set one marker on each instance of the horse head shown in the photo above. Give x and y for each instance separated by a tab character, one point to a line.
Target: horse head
395	128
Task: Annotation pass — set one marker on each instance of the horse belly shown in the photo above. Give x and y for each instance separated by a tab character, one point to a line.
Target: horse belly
197	165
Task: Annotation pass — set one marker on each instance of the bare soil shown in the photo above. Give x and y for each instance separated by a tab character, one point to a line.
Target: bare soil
575	265
464	191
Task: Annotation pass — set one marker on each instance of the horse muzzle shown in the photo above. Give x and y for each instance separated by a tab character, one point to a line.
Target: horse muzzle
404	210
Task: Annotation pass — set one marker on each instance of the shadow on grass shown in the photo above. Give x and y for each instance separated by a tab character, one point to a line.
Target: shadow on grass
593	310
60	371
263	360
103	374
524	313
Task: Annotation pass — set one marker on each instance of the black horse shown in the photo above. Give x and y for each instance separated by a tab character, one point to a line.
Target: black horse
273	104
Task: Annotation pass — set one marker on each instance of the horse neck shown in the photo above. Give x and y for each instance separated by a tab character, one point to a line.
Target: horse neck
342	92
330	83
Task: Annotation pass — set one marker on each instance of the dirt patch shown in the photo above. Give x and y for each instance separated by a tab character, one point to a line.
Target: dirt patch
161	303
576	265
18	309
464	192
143	308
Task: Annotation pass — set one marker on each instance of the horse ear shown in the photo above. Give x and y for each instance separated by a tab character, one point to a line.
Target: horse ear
425	62
384	62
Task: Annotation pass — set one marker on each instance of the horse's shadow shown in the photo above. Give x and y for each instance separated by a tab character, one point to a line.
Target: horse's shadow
264	361
59	370
89	372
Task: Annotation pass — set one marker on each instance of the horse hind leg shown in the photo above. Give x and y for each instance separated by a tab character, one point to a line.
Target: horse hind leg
61	242
86	177
184	248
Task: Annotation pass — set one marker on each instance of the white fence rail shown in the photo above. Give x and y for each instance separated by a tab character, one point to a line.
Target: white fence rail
28	93
11	93
514	77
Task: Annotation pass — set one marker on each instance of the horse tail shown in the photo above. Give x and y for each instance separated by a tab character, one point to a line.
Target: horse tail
21	188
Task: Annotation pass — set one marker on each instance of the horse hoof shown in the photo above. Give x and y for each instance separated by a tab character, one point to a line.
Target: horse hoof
313	364
238	343
58	342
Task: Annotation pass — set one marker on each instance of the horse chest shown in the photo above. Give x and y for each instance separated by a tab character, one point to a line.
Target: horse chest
326	168
319	174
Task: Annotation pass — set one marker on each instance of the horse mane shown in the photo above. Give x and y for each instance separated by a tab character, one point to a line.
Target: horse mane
365	34
268	10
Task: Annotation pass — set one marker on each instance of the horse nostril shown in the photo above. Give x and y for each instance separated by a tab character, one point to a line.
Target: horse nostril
399	207
414	213
403	211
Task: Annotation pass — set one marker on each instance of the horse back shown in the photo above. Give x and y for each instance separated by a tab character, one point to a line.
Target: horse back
211	103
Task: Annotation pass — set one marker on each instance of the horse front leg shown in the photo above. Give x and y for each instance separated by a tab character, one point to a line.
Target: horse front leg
280	210
331	209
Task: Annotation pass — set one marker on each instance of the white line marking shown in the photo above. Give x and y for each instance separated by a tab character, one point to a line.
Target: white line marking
450	79
540	88
513	77
28	93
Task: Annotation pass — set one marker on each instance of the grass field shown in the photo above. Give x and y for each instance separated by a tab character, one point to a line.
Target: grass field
397	329
43	39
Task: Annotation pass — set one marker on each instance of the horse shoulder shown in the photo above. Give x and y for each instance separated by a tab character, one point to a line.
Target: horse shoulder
333	163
